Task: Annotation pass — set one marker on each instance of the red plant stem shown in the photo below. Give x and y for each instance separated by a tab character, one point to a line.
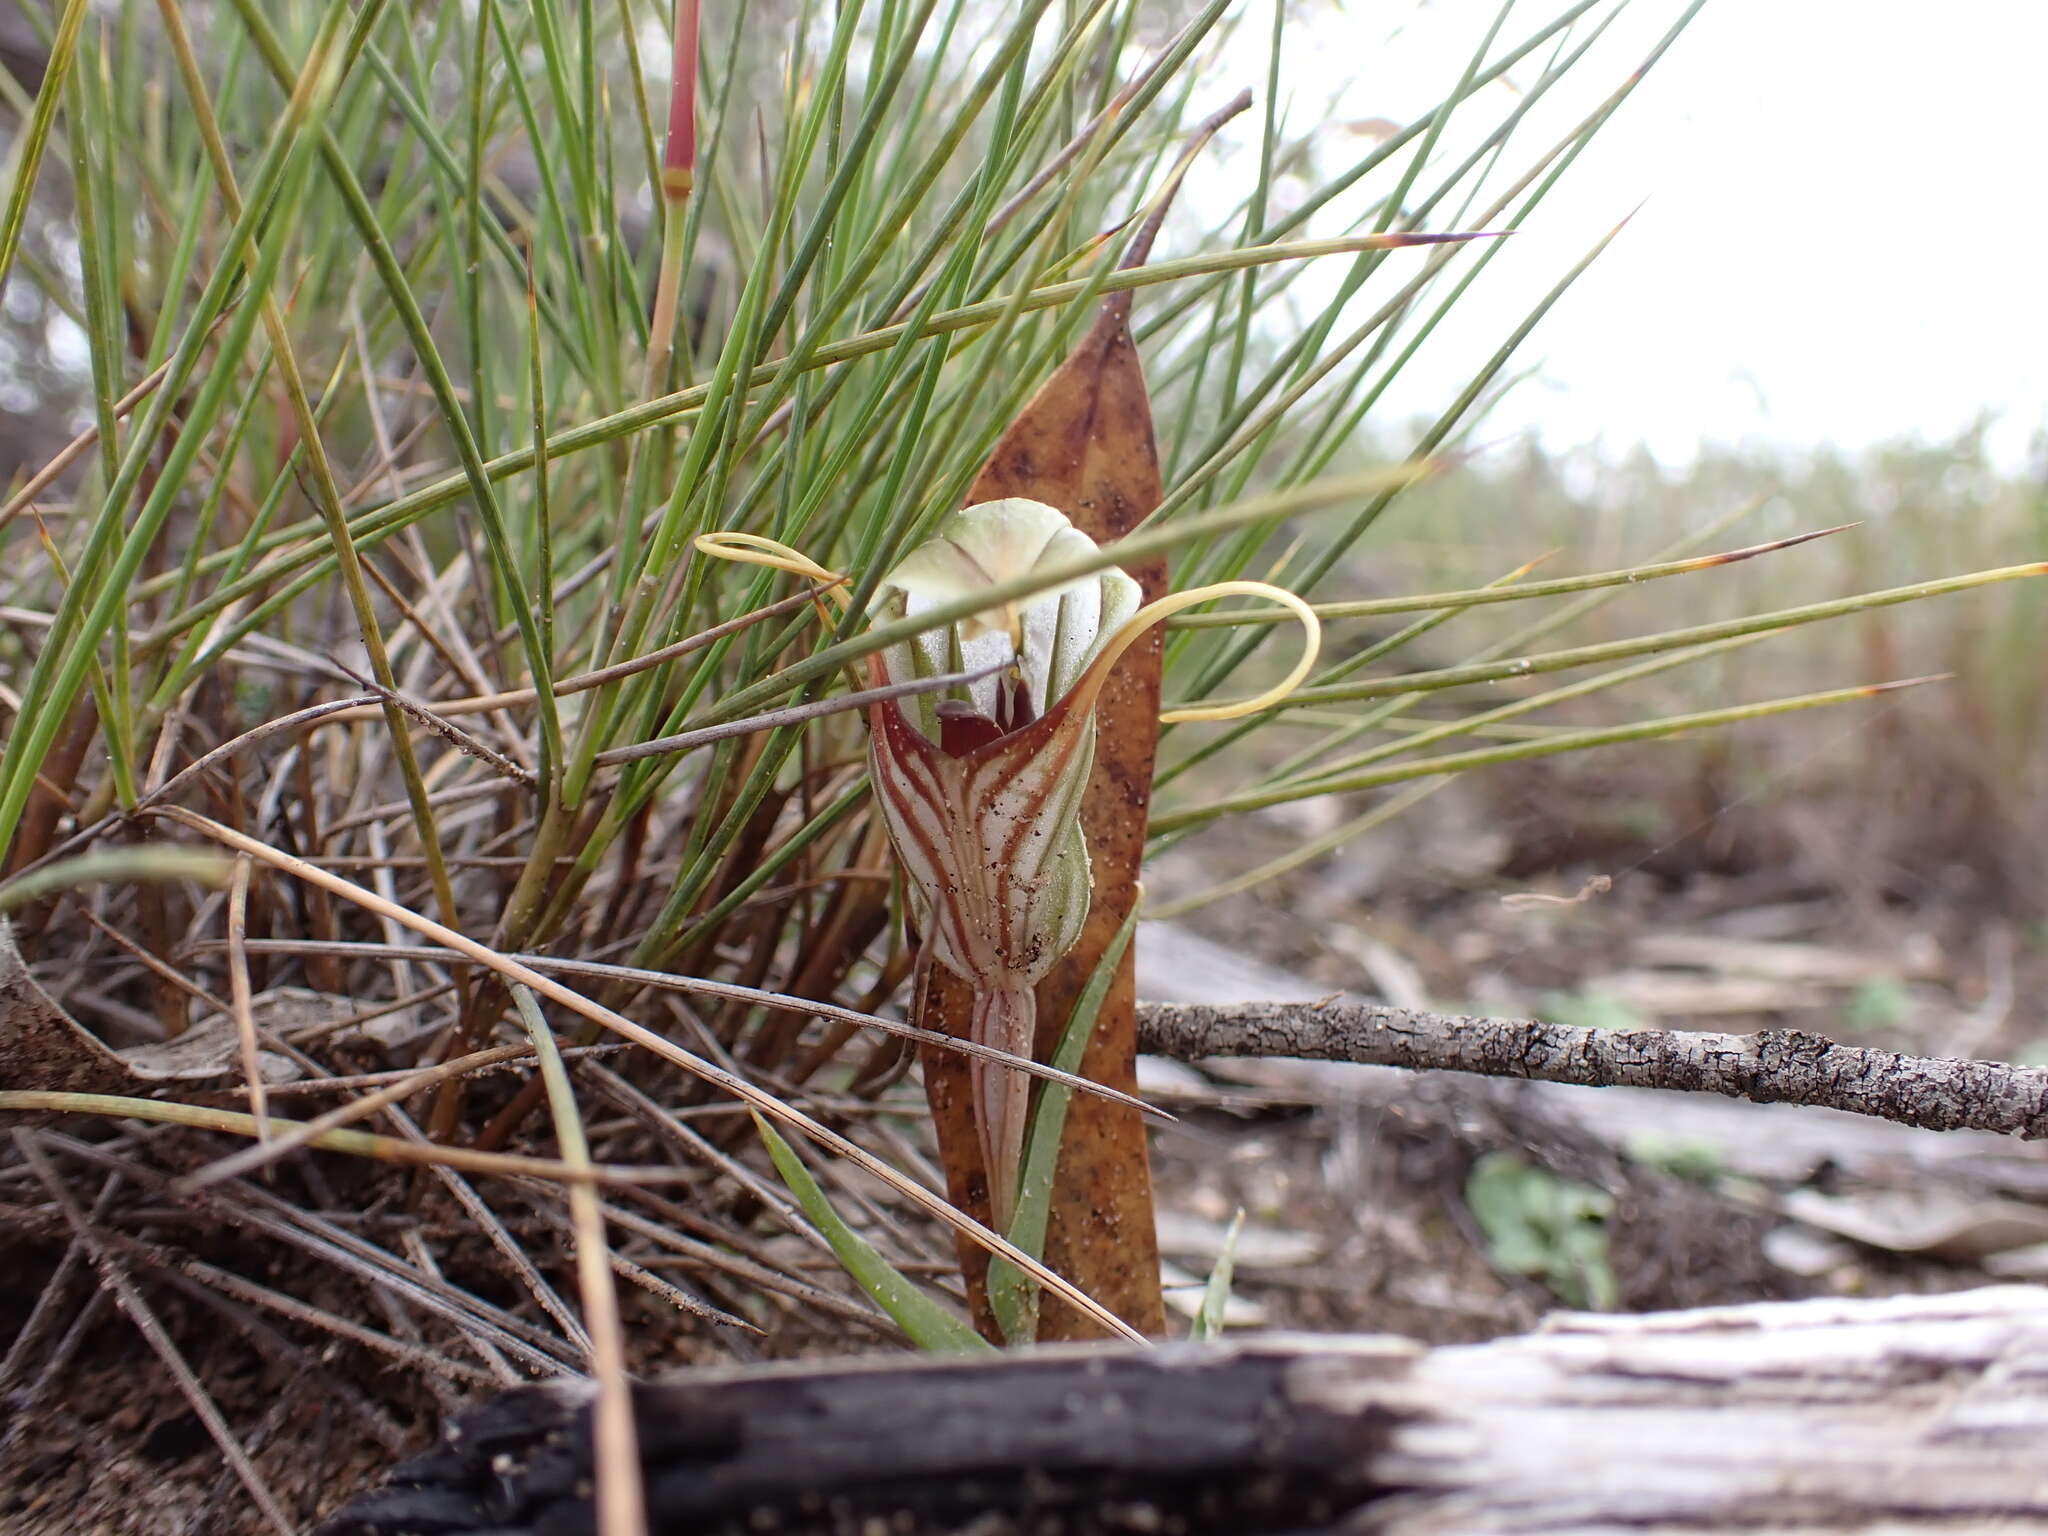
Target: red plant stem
679	159
678	177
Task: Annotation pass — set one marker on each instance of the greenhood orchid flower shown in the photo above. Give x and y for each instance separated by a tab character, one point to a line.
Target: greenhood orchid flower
981	791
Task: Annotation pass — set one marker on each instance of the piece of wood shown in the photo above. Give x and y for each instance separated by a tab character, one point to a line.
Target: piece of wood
1912	1413
1770	1066
1781	1143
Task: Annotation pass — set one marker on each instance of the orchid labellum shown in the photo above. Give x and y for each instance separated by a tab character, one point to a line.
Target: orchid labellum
981	792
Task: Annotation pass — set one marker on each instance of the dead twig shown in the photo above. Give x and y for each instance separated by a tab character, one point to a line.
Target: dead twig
483	703
795	715
449	731
1772	1066
239	993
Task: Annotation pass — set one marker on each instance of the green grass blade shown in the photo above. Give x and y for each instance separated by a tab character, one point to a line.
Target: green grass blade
1208	1322
929	1325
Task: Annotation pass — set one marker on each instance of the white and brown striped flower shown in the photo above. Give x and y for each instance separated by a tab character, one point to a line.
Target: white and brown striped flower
982	794
981	788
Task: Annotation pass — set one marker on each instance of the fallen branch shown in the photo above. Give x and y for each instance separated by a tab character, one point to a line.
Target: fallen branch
1772	1066
1912	1413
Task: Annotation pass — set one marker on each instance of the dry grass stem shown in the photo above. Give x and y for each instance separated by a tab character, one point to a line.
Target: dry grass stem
704	987
239	994
621	1502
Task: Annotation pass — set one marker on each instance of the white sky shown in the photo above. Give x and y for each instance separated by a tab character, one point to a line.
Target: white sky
1844	229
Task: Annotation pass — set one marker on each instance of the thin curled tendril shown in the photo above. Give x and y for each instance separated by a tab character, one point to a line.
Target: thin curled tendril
757	549
1164	608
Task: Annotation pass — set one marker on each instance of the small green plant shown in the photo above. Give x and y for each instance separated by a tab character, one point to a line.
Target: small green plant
1547	1228
1878	1005
1208	1323
1697	1162
1590	1010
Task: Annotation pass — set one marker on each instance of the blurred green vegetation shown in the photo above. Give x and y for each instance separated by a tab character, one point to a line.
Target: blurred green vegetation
1940	783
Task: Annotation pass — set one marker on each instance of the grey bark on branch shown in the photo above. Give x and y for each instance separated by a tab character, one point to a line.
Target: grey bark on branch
1772	1066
